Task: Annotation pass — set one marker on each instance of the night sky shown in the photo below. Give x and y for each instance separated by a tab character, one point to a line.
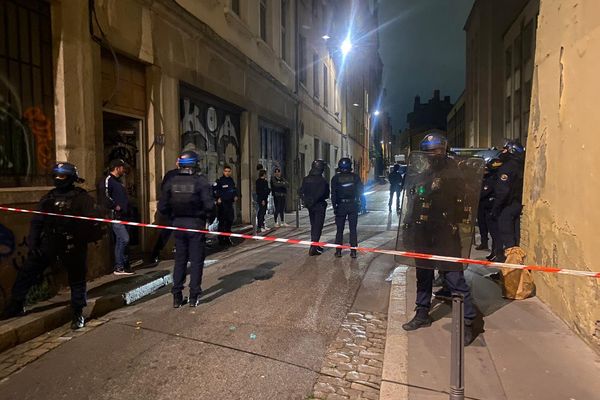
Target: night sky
422	45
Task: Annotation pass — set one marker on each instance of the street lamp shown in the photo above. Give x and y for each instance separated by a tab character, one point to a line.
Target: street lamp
376	113
346	46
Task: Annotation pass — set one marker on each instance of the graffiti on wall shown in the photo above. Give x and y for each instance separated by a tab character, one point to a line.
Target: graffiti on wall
213	133
41	128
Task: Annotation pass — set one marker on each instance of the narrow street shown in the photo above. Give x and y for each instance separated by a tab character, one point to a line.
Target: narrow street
268	315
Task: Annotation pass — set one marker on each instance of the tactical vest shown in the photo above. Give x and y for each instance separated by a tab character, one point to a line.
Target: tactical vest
185	199
346	187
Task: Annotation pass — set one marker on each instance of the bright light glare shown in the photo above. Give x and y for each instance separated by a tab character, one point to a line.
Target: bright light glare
346	46
376	112
382	142
326	37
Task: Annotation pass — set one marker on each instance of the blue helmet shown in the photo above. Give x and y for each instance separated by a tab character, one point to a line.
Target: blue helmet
513	146
67	169
345	164
434	141
188	159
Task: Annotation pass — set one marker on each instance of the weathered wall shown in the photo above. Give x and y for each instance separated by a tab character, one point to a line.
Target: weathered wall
562	183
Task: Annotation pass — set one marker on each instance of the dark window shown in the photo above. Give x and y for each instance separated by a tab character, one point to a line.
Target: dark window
235	6
302	61
508	62
325	86
316	149
315	10
507	116
263	20
528	42
518	46
316	74
284	29
27	144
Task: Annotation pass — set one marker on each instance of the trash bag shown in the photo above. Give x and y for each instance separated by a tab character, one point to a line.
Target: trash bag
517	284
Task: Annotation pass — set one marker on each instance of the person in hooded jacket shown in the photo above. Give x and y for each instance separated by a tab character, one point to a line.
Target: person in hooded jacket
279	187
262	198
314	193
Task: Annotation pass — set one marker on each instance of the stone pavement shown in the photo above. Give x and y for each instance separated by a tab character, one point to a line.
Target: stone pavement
352	368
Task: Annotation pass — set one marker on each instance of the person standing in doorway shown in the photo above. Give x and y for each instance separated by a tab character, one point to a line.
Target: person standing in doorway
117	203
226	195
279	187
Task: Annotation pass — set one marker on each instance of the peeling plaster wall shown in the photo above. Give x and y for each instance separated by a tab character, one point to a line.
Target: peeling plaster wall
562	183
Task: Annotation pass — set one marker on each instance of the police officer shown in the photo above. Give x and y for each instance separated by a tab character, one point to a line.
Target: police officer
442	234
226	195
56	238
346	190
395	179
187	199
509	196
486	198
314	193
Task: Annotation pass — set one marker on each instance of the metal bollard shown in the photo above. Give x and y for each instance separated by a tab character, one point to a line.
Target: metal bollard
457	355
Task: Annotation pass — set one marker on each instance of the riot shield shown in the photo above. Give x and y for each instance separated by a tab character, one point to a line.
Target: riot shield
439	207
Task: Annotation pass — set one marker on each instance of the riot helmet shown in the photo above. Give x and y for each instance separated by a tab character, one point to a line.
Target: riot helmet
513	146
319	165
65	175
345	164
188	159
434	141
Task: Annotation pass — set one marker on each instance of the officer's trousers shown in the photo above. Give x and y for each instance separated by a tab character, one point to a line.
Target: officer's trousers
316	214
482	223
455	281
395	190
225	214
509	225
190	247
350	212
74	260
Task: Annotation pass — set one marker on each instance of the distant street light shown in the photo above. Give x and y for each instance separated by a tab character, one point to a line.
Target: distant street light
355	105
376	113
382	142
326	37
346	46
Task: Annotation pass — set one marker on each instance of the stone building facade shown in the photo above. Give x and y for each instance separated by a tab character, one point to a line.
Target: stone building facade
142	80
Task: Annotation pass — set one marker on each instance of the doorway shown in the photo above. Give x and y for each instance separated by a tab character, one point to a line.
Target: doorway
122	141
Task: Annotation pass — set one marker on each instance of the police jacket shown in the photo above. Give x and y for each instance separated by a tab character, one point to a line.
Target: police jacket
187	195
395	178
509	184
315	189
224	189
115	193
73	201
279	186
487	196
262	190
346	187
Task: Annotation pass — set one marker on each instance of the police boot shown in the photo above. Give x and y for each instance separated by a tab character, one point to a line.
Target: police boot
78	321
194	300
338	253
469	336
420	320
13	309
179	300
353	253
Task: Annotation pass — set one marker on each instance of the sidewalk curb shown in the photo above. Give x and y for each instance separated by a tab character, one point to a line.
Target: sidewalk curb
395	360
22	329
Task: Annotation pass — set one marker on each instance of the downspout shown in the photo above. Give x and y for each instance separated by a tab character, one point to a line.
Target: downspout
298	178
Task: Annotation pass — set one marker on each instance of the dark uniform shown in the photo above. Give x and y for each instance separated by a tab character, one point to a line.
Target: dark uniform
434	216
224	189
486	200
509	197
346	190
395	178
54	239
314	193
165	234
187	199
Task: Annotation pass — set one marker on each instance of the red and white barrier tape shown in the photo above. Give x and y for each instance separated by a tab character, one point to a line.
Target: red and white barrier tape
407	254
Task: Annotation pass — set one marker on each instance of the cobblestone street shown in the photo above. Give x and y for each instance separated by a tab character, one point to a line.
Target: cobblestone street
354	361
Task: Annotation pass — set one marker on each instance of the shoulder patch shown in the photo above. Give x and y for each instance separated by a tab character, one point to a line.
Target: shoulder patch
503	177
